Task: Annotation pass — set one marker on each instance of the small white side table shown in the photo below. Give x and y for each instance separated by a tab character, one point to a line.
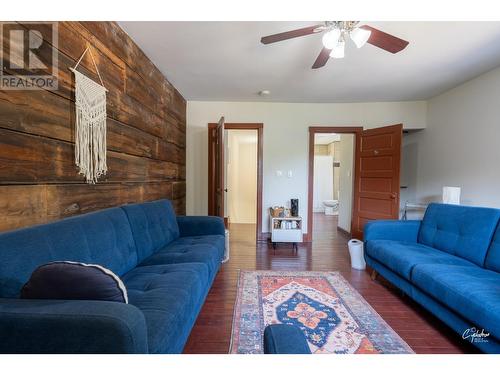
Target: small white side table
286	229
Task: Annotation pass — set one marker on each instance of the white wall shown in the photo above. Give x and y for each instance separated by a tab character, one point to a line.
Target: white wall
323	181
285	141
241	179
346	158
461	144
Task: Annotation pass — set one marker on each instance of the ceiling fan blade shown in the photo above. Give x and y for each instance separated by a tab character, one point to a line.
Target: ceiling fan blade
289	34
322	58
385	41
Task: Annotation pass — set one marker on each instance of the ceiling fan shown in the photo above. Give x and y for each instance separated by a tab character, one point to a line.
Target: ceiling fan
335	36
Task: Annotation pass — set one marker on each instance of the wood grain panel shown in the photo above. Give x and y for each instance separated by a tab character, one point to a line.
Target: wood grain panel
146	134
29	159
51	116
367	184
66	80
377	142
67	200
23	205
381	163
381	206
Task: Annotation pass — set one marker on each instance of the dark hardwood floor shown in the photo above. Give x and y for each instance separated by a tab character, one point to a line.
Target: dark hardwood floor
327	252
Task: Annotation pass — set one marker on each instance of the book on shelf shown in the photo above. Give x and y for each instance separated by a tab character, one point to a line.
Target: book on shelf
286	224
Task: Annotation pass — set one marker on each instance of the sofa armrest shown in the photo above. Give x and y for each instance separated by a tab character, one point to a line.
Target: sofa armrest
396	230
62	326
285	339
200	225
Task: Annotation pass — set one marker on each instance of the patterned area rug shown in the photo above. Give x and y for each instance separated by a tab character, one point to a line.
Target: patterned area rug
332	314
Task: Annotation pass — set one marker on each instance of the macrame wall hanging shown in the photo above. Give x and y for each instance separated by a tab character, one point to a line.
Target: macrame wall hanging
90	132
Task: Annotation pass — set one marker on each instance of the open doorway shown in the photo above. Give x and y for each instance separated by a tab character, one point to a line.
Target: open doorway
332	165
241	182
333	179
240	151
375	174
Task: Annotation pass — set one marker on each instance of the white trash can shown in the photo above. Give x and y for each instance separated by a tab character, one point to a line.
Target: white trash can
356	252
226	250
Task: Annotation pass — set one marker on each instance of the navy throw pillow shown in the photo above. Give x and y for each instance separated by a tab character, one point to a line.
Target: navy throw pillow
73	280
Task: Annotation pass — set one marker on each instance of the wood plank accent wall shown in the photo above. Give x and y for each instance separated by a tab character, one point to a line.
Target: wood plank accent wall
146	134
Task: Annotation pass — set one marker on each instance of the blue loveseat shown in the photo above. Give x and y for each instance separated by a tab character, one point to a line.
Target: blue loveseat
449	263
167	263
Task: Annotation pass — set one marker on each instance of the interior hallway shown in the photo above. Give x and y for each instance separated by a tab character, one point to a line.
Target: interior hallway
325	227
328	252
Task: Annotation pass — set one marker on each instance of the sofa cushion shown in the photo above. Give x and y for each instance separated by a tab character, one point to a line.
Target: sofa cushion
202	249
74	281
170	297
459	230
154	225
493	256
402	257
200	225
102	237
472	292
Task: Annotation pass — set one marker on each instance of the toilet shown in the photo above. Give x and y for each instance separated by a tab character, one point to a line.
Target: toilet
331	206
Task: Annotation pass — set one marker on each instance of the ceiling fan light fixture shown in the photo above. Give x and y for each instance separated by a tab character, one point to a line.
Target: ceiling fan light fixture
360	36
331	38
334	38
338	51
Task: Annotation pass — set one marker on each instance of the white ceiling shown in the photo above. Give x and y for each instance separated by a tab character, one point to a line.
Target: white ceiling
225	61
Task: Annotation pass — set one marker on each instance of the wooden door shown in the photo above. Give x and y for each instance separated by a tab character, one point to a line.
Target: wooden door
220	183
376	185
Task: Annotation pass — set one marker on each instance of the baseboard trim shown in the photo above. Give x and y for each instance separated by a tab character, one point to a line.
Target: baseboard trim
342	230
263	236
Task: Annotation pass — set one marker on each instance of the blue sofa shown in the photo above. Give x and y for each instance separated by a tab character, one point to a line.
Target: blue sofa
449	263
167	264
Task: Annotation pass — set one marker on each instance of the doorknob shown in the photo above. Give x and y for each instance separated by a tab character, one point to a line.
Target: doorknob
394	196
